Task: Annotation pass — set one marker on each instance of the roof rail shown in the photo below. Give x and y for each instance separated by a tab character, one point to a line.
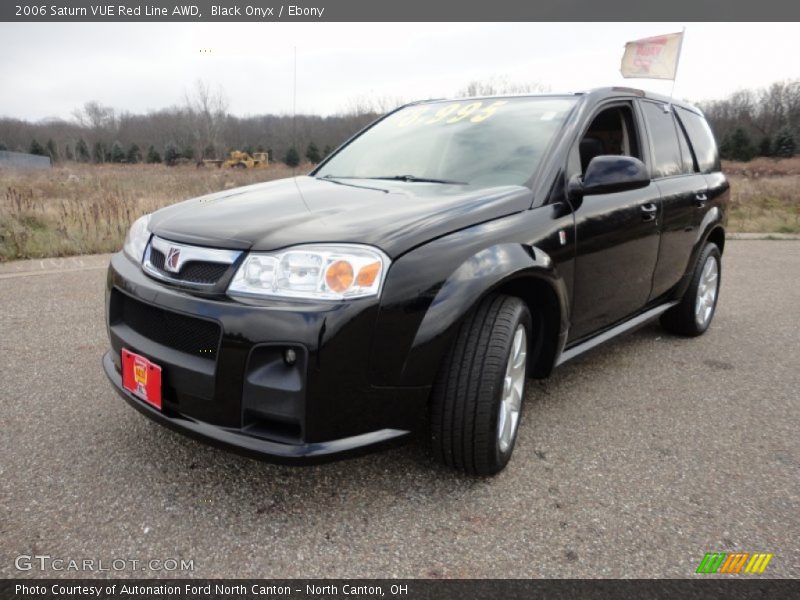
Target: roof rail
629	90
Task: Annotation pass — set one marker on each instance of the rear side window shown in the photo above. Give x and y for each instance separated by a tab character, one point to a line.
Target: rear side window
666	152
702	139
686	152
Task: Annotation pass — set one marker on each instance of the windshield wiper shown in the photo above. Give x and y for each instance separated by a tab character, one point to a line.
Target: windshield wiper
410	178
335	179
415	179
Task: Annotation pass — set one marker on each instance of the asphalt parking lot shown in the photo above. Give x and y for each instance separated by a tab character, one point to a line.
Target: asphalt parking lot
633	460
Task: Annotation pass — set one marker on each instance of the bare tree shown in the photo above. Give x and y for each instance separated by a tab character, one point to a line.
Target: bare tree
501	84
371	104
96	117
206	110
101	126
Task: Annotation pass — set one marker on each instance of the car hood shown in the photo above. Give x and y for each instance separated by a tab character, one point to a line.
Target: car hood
393	216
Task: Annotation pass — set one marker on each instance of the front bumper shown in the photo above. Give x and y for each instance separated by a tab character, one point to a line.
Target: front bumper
233	439
225	381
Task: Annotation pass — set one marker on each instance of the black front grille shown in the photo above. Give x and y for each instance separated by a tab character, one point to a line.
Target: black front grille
202	272
192	272
185	334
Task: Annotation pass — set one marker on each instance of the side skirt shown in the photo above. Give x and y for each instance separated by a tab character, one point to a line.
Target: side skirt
623	327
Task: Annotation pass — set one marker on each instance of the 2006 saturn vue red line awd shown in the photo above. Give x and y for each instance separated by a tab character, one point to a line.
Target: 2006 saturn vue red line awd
419	275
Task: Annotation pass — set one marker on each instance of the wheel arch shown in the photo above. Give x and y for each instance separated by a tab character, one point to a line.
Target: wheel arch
711	230
525	272
717	236
547	311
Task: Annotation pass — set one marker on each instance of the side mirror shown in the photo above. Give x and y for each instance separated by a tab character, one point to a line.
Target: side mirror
608	174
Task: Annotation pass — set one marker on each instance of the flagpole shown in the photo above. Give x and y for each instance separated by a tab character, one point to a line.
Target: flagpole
677	64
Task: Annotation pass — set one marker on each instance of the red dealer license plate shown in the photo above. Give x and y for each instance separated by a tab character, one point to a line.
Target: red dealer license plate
141	377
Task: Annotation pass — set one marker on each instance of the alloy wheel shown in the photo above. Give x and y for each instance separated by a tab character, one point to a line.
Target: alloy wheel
707	289
513	387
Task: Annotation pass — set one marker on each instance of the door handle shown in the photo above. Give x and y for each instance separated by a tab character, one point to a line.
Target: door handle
649	211
700	199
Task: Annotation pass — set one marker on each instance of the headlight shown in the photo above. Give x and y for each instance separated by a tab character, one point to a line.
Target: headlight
324	271
137	238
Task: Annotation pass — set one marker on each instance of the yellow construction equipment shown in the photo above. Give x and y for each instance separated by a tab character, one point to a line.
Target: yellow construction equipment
240	160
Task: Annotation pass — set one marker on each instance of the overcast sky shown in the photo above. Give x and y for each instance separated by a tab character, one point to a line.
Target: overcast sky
49	69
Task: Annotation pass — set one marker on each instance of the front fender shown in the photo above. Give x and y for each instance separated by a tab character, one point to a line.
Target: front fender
429	290
482	272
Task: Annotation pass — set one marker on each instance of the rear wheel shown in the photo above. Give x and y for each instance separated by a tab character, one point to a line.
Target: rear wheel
477	399
693	315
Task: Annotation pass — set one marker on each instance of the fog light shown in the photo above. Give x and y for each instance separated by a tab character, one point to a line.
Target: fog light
290	356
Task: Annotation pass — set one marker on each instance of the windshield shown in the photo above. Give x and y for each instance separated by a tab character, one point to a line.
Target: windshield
488	142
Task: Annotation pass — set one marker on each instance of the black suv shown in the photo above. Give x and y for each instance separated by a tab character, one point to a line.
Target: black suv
418	275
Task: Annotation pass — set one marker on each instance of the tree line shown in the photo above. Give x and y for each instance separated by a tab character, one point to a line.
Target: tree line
200	128
757	122
748	123
166	137
172	155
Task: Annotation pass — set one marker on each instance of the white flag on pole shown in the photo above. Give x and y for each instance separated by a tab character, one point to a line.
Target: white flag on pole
653	58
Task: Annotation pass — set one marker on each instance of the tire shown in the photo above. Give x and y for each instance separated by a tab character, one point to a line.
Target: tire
469	392
687	318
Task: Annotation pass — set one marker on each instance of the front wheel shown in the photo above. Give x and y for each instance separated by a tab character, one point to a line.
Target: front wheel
692	316
476	402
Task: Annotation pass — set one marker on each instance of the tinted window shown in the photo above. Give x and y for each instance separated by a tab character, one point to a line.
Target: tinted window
483	142
667	155
705	148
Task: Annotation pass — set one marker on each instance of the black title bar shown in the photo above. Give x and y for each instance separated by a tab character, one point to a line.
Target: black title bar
394	589
405	10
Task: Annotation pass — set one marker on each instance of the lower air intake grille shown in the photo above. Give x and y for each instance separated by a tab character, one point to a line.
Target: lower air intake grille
176	331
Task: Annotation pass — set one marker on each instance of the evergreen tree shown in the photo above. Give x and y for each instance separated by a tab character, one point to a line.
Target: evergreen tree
81	151
312	153
249	149
259	148
327	151
741	148
188	152
98	153
209	152
725	147
765	146
134	154
171	155
785	145
51	150
37	149
3	147
68	152
153	156
117	153
292	158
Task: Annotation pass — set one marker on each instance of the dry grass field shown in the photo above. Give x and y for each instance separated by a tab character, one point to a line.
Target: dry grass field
86	209
83	209
765	195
